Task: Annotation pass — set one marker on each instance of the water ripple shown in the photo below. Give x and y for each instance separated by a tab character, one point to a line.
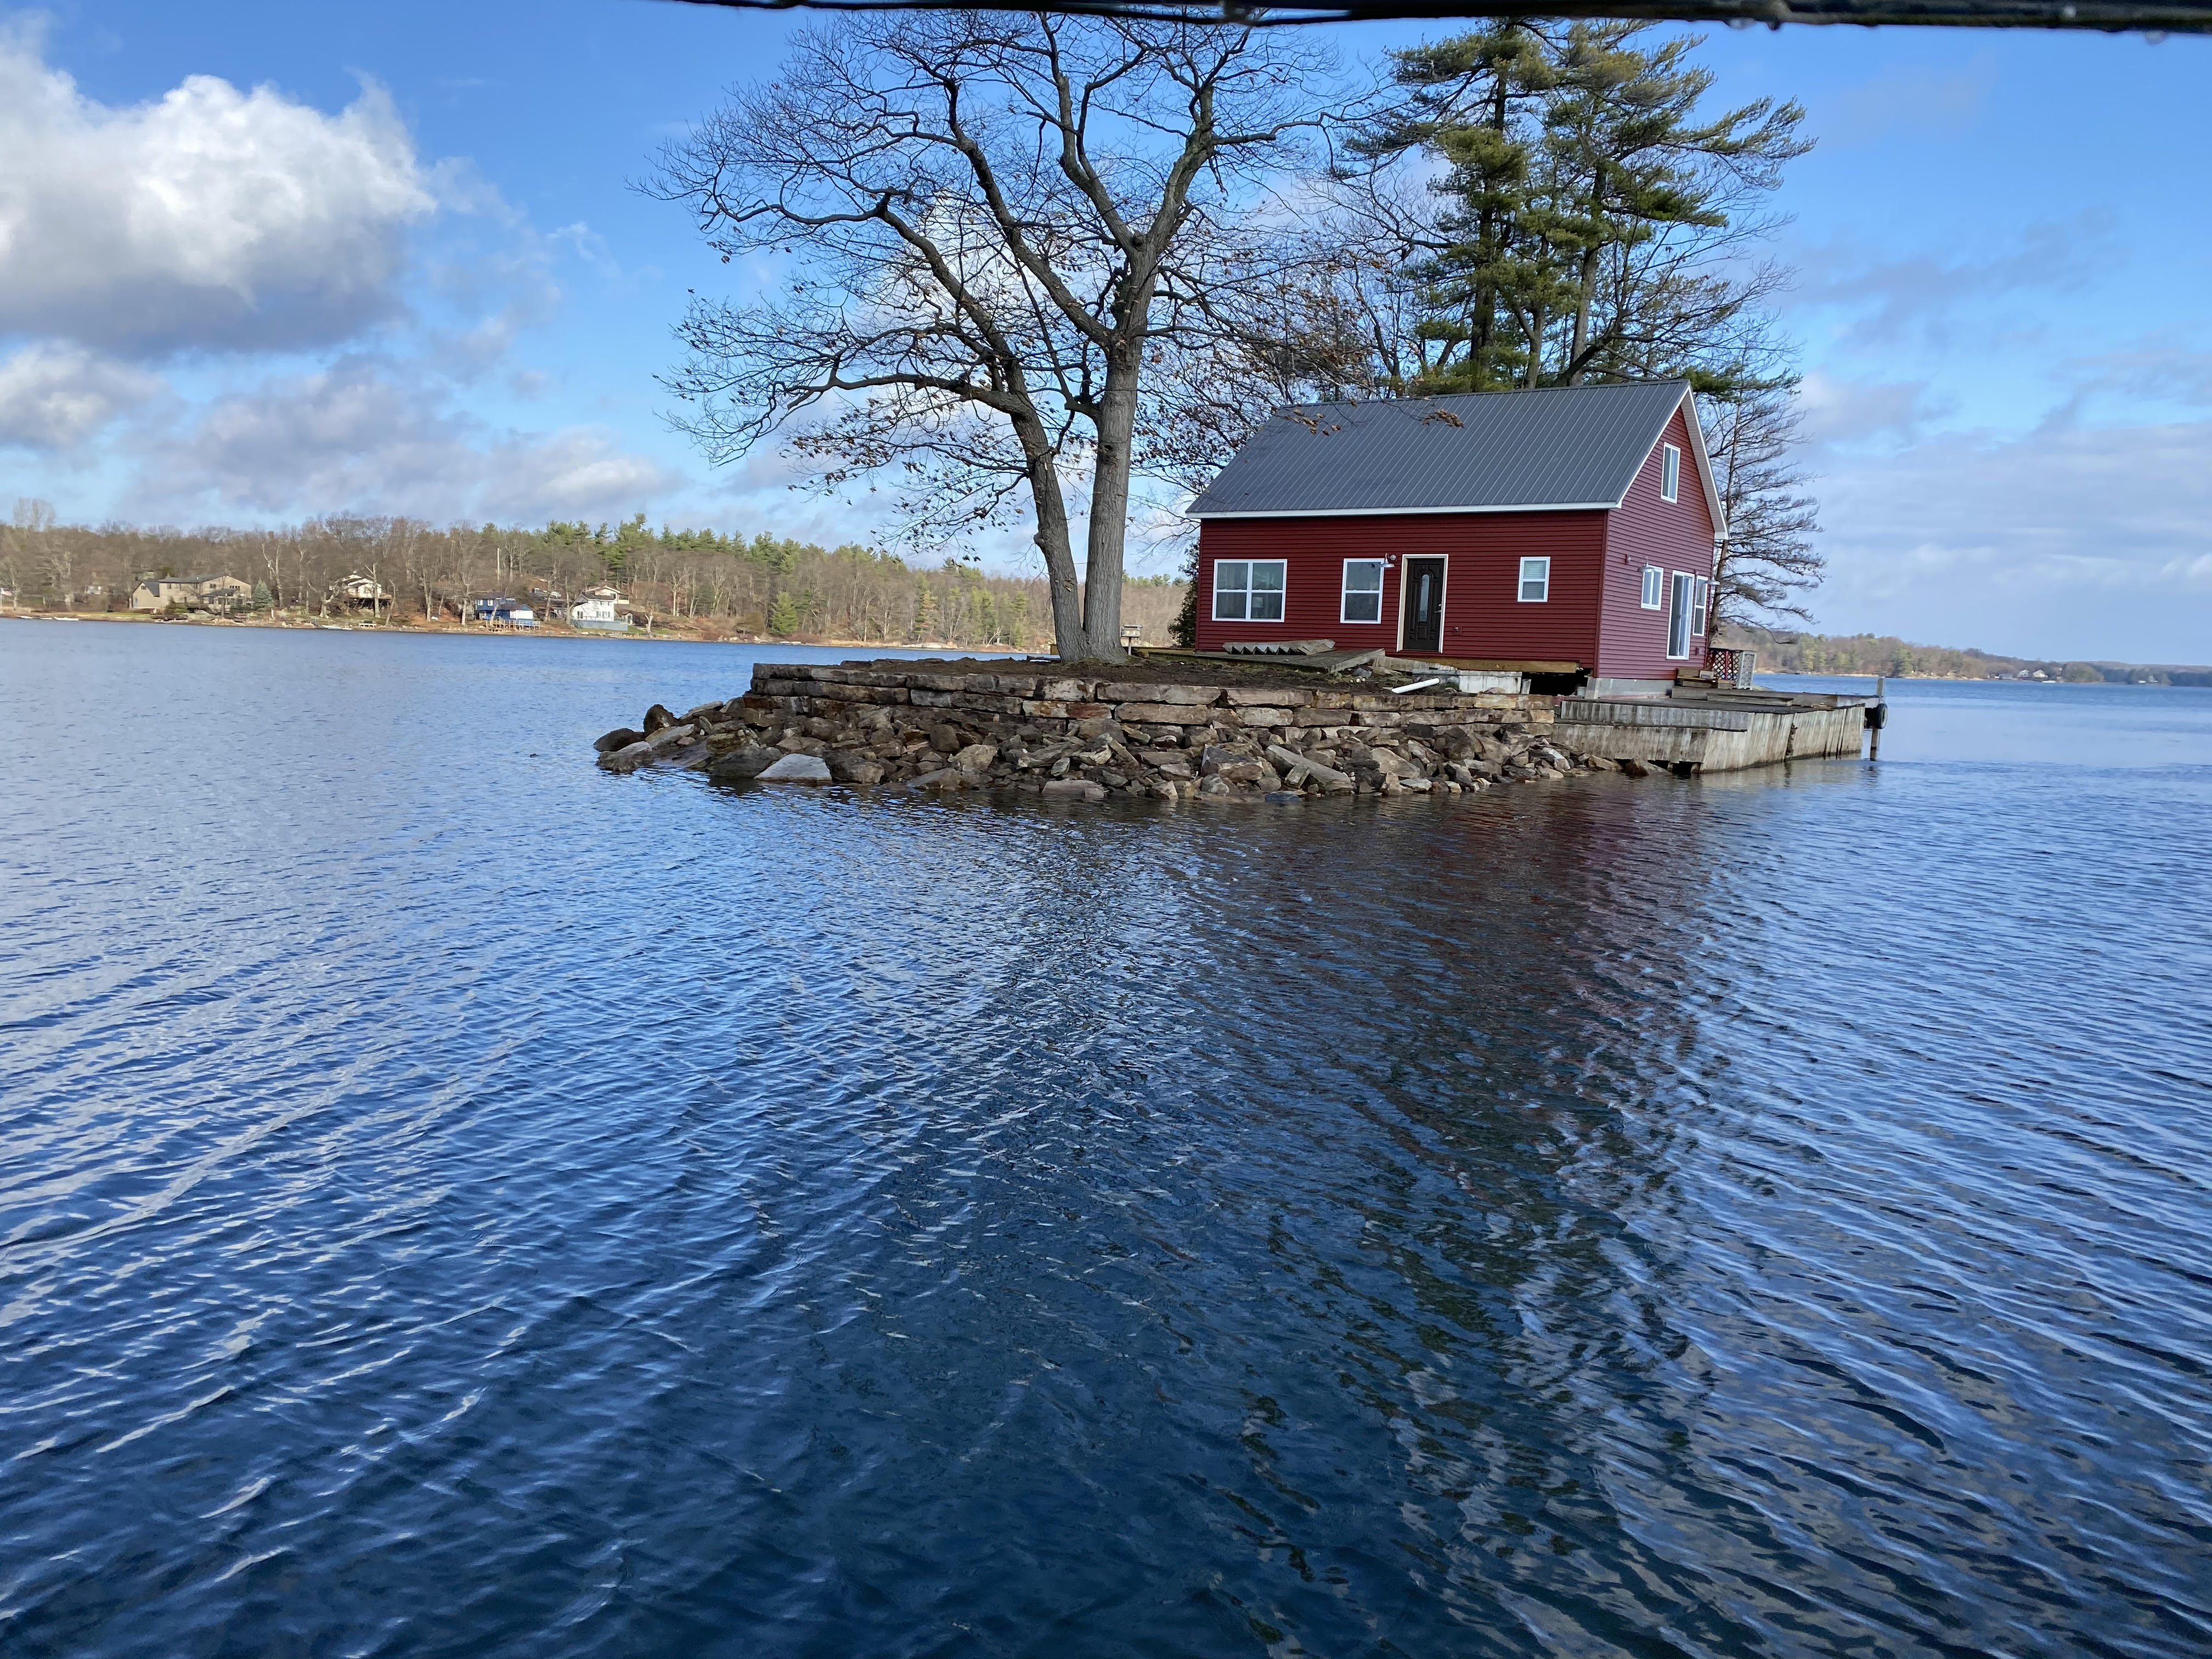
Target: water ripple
463	1203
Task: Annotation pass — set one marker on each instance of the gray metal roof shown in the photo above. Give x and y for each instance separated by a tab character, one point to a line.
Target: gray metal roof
1577	446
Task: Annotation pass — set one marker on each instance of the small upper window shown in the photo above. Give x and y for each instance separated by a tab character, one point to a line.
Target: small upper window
1247	590
1535	580
1670	472
1362	591
1654	588
1701	607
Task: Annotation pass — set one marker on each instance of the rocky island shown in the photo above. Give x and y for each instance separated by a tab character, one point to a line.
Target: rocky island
1167	730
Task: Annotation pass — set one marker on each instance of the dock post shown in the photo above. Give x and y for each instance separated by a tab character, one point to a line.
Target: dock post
1880	715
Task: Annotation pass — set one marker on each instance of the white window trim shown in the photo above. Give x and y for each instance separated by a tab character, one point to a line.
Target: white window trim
1670	473
1653	594
1520	580
1344	594
1701	606
1247	591
1676	580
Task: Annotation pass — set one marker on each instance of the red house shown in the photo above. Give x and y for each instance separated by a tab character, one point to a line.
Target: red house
1572	527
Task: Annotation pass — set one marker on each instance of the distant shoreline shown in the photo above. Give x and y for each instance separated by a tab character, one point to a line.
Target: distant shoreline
462	630
663	636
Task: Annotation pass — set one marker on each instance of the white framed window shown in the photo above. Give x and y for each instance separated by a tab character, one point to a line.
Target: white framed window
1701	607
1362	591
1681	591
1670	472
1535	580
1654	588
1247	590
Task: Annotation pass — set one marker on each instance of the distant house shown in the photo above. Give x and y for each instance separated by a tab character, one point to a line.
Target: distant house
217	593
501	608
360	591
1571	529
600	608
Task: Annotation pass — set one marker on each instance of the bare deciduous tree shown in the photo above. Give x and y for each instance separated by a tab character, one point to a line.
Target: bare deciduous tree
983	240
1768	559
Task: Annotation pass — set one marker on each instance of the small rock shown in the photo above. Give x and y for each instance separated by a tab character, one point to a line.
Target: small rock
796	768
1215	787
1282	795
1634	769
742	765
1075	789
944	778
977	757
846	769
946	740
627	758
656	717
621	738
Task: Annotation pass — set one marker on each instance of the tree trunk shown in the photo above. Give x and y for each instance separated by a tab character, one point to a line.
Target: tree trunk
1583	300
1108	530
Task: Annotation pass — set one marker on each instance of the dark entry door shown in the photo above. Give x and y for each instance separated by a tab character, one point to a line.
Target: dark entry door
1425	605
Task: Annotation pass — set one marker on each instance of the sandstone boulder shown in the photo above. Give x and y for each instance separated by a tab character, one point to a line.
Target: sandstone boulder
796	769
975	758
854	768
741	765
627	758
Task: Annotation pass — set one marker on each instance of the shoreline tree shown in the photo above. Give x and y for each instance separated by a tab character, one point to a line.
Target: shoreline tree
987	243
1768	560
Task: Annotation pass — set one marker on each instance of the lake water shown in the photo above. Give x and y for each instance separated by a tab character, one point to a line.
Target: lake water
455	1202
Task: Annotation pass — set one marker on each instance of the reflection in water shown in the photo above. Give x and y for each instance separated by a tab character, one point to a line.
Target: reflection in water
497	1208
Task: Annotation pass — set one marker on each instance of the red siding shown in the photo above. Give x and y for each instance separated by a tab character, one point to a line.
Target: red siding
1483	617
1676	535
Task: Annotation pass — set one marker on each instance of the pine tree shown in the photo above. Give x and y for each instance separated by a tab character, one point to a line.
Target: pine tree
1183	630
783	617
1589	205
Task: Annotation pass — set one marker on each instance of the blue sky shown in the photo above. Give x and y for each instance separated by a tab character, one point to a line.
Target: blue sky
260	261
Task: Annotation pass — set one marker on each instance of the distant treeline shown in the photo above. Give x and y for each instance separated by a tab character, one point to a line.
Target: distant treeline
706	582
1886	653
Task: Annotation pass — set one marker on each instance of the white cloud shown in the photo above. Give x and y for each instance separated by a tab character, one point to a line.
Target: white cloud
209	218
1842	412
364	436
1932	296
55	397
2061	542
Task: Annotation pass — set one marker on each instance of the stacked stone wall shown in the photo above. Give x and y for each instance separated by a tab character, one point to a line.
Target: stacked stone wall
949	727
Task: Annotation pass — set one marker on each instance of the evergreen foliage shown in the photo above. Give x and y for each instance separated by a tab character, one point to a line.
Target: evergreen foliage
1590	217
